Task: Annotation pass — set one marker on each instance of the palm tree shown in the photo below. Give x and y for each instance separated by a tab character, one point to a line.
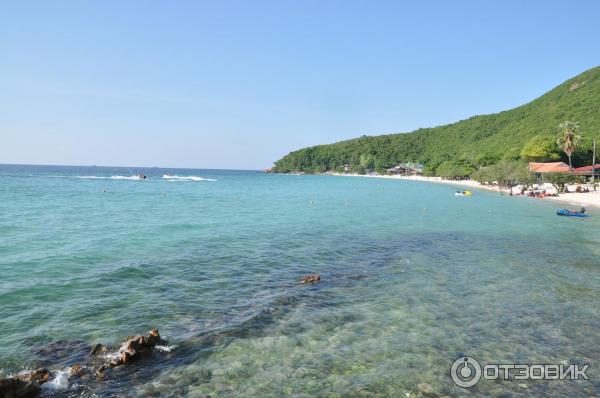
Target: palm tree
569	140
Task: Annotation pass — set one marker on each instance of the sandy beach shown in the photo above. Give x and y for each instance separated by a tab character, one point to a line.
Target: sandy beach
572	198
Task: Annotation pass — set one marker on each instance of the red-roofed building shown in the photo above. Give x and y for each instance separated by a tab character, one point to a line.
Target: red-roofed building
587	170
539	169
552	167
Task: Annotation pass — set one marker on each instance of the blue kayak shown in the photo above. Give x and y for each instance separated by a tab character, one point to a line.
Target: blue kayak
569	213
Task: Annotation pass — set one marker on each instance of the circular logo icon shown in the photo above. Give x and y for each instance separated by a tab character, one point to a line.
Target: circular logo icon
465	372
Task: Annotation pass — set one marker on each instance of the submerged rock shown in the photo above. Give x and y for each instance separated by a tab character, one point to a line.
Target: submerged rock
61	353
58	346
310	279
427	390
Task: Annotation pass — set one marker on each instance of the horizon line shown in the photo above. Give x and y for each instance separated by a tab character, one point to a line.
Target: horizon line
122	167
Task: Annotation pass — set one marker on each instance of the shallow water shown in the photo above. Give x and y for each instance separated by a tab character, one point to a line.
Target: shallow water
412	278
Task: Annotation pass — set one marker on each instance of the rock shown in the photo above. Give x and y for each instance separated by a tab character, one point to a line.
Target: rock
98	349
127	355
76	371
576	86
132	349
61	353
154	337
134	343
310	279
99	372
39	376
427	390
13	387
142	343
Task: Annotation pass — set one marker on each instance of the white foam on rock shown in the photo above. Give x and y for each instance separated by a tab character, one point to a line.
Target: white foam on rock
164	348
59	382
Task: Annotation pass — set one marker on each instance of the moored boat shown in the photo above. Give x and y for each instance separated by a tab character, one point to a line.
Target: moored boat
572	213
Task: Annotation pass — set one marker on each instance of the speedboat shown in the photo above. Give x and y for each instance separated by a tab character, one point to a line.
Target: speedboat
463	193
572	213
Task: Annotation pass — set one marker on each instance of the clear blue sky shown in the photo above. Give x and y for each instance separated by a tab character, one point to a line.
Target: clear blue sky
229	84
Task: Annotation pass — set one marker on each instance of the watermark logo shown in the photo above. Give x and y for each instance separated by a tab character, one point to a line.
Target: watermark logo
466	372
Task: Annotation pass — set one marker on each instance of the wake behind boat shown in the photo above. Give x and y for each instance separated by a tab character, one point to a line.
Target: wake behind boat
171	177
113	177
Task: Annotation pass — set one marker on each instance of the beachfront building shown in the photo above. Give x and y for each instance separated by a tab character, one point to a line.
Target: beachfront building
539	169
347	168
586	171
406	169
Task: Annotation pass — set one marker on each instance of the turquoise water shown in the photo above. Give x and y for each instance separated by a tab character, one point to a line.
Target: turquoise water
412	278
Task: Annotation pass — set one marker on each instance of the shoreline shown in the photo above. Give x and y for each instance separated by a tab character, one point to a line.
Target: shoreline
575	199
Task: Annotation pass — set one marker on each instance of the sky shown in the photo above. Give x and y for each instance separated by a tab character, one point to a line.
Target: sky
238	84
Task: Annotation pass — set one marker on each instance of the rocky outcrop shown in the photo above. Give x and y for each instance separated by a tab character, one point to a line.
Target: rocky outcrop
76	371
39	376
310	279
133	348
98	349
28	384
15	388
24	385
576	86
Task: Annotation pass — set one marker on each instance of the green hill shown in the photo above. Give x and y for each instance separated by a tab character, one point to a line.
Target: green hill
472	143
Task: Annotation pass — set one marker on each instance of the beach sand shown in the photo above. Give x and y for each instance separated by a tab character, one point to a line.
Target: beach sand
579	199
573	199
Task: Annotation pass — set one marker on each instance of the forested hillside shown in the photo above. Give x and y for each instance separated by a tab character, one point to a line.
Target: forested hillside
528	132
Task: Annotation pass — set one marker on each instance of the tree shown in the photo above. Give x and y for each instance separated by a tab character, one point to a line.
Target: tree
485	159
569	139
380	167
560	180
540	148
506	172
454	169
367	161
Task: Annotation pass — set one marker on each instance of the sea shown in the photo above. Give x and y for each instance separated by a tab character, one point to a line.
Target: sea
412	278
